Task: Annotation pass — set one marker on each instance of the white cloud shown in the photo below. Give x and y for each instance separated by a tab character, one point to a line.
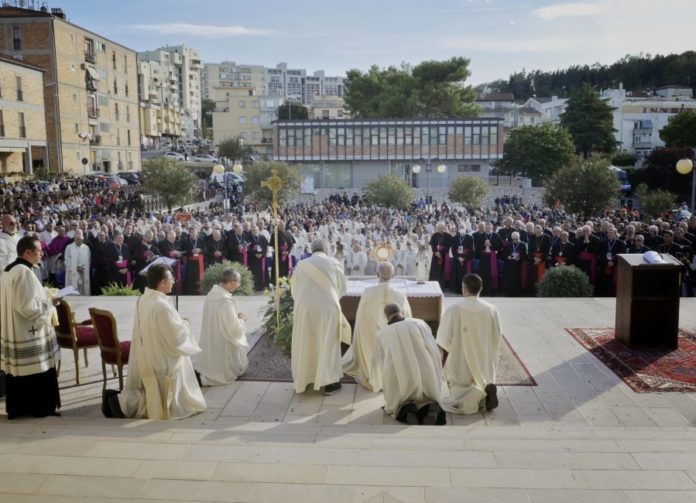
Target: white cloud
200	30
551	12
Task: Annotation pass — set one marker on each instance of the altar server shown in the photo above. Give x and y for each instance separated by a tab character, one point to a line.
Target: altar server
77	264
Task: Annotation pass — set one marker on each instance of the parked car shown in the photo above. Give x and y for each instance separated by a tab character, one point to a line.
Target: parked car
131	177
205	158
115	182
175	156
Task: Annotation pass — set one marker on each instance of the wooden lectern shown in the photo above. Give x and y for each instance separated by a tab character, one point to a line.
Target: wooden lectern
647	302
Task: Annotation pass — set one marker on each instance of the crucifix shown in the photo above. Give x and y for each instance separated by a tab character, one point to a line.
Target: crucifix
33	331
274	183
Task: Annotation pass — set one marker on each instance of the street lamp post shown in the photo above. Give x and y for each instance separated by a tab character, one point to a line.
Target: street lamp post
428	169
684	167
442	169
219	169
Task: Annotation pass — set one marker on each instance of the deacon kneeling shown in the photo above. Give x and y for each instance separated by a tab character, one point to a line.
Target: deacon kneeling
223	341
470	335
161	382
406	364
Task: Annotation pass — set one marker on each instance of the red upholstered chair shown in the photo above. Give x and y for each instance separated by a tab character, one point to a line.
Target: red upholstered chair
74	336
112	351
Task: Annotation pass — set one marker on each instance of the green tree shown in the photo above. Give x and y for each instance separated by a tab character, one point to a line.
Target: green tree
468	191
430	89
659	172
291	110
624	159
654	202
390	191
537	152
260	171
207	109
681	130
584	187
168	180
235	150
590	122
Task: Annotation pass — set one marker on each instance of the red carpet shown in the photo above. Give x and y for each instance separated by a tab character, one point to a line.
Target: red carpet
644	371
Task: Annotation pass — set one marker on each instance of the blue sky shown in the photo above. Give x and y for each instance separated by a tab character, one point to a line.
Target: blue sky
498	36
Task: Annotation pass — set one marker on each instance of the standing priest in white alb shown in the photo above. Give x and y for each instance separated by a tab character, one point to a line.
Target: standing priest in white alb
223	341
77	264
369	320
30	351
470	335
161	382
406	363
319	326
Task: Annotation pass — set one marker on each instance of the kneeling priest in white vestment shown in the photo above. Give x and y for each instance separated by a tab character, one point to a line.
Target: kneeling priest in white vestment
161	382
407	365
319	325
470	334
223	341
369	320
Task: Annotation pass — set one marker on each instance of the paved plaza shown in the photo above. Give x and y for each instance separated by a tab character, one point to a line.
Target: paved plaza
580	435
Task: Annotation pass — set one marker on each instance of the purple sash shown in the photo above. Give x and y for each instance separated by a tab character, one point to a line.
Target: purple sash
592	259
123	264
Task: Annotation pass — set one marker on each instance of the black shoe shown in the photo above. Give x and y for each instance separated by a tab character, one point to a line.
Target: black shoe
331	389
198	378
408	414
491	396
431	415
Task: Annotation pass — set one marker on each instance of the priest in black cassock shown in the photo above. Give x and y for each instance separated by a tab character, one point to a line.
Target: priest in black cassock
285	244
515	256
462	258
440	244
258	246
488	245
608	263
538	250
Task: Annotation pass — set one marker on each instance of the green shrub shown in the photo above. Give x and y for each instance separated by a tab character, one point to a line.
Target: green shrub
283	336
213	274
390	191
116	290
565	281
469	191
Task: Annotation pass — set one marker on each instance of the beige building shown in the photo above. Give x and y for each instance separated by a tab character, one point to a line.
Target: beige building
23	145
90	90
161	122
328	107
239	117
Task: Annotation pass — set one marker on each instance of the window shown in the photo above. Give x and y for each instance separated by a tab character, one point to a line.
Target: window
16	38
117	114
22	126
125	64
118	136
115	86
128	135
254	103
242	103
89	51
469	168
254	120
127	113
77	127
20	93
242	119
126	89
113	59
2	124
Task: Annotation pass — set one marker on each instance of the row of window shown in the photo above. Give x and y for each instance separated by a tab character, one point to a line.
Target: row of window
18	87
21	125
376	136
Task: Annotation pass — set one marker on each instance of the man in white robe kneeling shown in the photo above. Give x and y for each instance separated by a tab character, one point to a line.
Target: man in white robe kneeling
407	364
318	326
223	341
77	264
161	382
470	335
369	320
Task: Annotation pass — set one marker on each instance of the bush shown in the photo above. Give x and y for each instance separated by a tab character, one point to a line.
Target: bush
260	171
213	274
116	290
168	180
390	191
468	191
654	202
565	281
624	159
282	337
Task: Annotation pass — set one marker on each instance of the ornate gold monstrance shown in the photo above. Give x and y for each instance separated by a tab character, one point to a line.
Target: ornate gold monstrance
274	183
383	252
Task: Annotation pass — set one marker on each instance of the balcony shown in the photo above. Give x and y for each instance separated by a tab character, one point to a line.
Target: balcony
92	111
95	140
90	57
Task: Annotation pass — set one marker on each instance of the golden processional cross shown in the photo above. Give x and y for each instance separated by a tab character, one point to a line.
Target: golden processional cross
274	183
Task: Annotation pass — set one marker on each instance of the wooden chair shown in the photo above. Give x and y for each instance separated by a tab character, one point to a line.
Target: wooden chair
74	336
112	350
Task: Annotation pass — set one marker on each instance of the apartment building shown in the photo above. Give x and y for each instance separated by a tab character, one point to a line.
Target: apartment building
161	121
344	154
181	68
23	145
90	89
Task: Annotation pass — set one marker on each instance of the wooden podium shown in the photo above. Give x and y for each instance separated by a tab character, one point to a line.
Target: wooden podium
647	302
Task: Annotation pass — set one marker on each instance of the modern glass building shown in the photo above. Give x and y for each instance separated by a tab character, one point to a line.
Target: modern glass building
347	154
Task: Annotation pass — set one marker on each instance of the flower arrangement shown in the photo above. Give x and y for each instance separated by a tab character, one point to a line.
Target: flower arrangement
283	336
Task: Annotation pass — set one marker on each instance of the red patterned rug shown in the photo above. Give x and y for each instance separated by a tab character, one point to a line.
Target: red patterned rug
644	371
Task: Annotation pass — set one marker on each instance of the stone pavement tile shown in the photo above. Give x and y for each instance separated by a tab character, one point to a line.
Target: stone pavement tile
19	482
665	417
565	460
218	396
478	495
633	416
504	415
271	473
447	459
33	498
194	490
666	461
184	470
244	401
269	412
56	446
66	465
334	414
386	494
661	496
279	392
133	450
346	396
306	403
203	452
525	401
513	478
684	404
637	479
545	445
392	476
658	446
595	415
297	492
576	496
303	455
103	486
469	420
